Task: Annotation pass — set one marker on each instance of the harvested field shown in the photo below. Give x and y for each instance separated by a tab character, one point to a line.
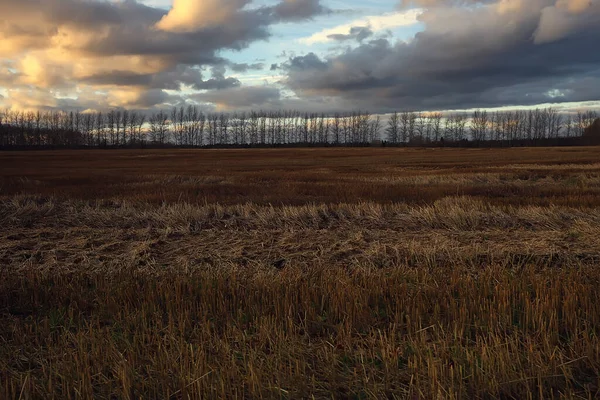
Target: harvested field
523	176
308	273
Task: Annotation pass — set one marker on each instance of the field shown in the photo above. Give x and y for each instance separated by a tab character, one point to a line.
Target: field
300	273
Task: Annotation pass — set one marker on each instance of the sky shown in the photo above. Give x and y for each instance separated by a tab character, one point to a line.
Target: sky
308	55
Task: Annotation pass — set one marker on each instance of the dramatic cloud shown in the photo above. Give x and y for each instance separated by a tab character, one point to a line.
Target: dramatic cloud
566	17
508	52
409	54
129	51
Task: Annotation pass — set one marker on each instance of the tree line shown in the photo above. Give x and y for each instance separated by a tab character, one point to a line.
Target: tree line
190	127
539	125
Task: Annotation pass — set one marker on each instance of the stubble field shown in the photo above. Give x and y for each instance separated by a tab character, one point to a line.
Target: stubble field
300	273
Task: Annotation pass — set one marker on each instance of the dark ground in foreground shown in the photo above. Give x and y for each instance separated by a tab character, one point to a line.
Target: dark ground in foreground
344	273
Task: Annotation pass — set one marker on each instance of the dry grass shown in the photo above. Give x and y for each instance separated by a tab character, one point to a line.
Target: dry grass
439	294
309	176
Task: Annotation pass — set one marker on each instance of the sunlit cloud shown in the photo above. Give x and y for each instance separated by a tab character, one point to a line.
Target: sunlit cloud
191	15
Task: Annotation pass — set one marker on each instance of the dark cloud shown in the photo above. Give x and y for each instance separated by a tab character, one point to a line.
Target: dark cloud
171	80
244	67
245	97
218	81
465	57
358	33
296	10
118	78
217	84
150	98
309	62
471	53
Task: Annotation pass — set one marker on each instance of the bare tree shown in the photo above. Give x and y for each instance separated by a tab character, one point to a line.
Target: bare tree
4	128
460	124
584	120
336	129
539	124
420	126
122	139
100	130
159	128
568	126
29	125
194	127
368	127
88	127
133	123
201	129
262	127
520	122
479	125
253	127
392	130
141	135
223	128
412	126
213	127
374	125
305	128
436	125
111	117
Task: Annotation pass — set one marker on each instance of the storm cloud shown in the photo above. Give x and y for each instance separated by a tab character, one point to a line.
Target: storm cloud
459	54
507	52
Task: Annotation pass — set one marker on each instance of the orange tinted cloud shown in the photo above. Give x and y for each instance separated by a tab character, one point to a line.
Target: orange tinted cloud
191	15
124	52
